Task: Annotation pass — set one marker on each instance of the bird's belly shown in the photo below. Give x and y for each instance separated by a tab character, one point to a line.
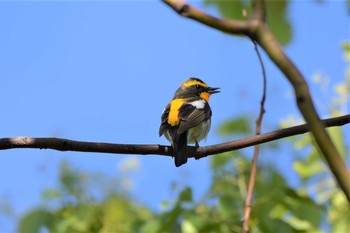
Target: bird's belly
198	132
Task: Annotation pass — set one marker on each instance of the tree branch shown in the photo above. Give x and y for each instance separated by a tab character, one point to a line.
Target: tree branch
62	144
255	28
225	25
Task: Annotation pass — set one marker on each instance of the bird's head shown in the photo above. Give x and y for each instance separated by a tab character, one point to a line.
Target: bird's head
195	86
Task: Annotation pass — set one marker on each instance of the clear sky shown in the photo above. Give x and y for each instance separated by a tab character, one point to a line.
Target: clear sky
103	71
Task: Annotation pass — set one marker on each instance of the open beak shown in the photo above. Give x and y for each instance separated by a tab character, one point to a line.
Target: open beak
213	90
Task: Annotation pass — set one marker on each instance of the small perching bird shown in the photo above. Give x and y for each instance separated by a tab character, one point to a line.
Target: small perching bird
187	118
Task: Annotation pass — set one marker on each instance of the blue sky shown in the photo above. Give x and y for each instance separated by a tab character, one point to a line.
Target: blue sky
103	71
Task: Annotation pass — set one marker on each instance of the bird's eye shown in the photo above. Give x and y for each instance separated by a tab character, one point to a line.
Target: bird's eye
198	87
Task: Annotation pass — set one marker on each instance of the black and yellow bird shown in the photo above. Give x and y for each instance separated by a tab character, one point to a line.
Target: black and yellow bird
187	118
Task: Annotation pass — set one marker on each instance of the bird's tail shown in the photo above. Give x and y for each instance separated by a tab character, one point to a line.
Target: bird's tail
180	149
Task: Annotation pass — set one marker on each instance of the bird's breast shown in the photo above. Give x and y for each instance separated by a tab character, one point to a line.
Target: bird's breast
198	132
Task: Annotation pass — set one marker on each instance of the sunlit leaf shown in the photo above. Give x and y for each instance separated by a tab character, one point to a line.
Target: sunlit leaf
346	48
336	134
198	220
278	211
188	227
299	224
51	193
339	215
302	142
151	226
307	170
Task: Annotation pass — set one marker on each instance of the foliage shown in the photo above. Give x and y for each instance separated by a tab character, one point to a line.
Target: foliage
79	210
218	211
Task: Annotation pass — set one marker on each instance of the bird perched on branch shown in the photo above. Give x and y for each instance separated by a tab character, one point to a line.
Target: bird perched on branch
187	118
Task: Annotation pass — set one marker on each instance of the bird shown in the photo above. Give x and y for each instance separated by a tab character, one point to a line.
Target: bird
186	119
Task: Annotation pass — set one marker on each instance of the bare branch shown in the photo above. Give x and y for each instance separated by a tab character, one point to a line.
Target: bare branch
248	202
225	25
62	144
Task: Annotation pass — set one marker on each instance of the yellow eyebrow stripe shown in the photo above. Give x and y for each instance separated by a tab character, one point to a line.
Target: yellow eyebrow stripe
190	83
173	118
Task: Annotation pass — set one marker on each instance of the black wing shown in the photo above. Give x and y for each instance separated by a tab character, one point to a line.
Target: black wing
164	119
192	116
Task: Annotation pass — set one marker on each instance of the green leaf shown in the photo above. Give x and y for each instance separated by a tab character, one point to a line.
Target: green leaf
299	224
185	195
231	9
222	160
304	209
306	170
50	193
188	227
346	48
34	221
278	21
200	218
302	142
234	126
151	226
165	204
336	134
339	213
279	211
226	205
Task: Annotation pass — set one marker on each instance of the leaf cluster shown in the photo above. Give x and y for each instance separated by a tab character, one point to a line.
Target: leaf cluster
75	206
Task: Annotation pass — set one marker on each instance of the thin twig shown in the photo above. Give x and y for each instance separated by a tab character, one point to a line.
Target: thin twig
62	144
248	202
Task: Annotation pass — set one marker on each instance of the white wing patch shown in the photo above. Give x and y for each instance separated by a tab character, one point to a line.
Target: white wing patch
199	104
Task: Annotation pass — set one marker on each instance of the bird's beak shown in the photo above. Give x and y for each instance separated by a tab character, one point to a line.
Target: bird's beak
213	90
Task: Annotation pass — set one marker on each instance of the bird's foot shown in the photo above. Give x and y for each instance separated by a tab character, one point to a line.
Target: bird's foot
196	146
